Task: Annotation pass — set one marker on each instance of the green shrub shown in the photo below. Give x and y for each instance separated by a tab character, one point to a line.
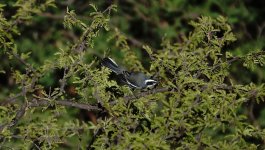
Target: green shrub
196	105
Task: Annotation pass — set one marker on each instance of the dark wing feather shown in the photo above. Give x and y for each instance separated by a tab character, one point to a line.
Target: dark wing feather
112	65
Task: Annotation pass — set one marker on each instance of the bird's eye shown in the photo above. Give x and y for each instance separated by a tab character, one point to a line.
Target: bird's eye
150	82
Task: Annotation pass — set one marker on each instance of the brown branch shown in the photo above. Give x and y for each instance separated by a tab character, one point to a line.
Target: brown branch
82	43
146	93
11	99
41	102
20	113
199	73
97	132
250	113
143	94
22	93
23	61
53	16
228	62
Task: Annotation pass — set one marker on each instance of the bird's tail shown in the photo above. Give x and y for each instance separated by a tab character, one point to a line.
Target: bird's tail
112	65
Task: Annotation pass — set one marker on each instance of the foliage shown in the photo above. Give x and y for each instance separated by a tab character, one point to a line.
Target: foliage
196	105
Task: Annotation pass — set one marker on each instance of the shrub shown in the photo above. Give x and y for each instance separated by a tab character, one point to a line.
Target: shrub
195	106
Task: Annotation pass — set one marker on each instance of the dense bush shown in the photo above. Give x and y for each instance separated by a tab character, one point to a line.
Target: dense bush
55	94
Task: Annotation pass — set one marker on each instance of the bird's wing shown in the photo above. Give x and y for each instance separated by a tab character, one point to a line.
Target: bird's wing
112	65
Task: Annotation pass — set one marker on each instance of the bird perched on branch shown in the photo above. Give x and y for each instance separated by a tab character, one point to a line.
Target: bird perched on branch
135	80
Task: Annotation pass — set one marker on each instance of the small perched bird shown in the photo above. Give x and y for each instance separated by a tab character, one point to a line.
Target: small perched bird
135	80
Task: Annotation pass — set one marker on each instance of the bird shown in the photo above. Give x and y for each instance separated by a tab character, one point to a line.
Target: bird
135	80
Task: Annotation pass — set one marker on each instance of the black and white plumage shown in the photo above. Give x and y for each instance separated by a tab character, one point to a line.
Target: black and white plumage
112	65
135	80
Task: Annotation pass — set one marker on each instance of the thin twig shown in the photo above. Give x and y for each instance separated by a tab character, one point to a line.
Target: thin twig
23	61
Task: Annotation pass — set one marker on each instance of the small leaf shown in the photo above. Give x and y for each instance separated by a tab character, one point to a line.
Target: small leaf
94	7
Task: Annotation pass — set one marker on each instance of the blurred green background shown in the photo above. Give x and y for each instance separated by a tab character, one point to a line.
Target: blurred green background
143	22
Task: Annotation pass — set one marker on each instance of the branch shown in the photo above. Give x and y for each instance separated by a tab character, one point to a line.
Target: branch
41	102
233	59
23	61
199	73
96	134
10	99
20	113
228	62
143	94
